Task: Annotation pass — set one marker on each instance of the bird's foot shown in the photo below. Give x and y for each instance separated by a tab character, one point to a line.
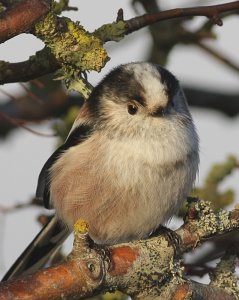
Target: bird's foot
169	234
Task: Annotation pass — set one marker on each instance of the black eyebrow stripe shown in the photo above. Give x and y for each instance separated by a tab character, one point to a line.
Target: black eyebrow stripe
170	81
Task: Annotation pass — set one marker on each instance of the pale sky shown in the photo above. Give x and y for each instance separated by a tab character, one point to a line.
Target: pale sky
22	157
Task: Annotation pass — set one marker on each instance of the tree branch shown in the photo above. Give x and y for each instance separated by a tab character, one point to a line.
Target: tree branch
38	65
57	103
145	269
72	35
212	12
21	17
9	3
225	103
216	54
54	104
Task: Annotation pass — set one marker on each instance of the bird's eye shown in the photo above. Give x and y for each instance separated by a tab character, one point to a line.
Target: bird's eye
132	109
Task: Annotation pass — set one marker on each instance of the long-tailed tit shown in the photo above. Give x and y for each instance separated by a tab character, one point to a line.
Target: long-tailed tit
129	161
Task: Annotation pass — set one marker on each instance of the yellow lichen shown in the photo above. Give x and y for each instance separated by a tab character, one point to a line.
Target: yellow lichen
47	26
81	226
75	49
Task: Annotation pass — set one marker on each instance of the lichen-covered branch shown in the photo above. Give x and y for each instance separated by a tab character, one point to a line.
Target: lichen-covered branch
192	290
224	274
75	50
203	223
212	12
145	269
72	46
38	65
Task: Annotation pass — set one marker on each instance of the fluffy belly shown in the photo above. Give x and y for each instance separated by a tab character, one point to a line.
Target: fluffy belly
120	205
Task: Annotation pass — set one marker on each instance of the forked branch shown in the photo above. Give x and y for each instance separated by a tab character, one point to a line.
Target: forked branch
146	269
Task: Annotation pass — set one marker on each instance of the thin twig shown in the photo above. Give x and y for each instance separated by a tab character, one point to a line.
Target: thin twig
212	12
20	123
8	95
120	15
197	270
219	56
31	94
10	209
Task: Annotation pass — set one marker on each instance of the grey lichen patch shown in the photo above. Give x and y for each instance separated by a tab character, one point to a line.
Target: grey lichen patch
153	269
177	270
224	220
224	276
208	221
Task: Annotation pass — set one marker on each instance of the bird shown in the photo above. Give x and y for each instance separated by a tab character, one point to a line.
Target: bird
128	163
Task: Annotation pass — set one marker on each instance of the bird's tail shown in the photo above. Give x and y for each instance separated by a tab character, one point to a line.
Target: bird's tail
40	249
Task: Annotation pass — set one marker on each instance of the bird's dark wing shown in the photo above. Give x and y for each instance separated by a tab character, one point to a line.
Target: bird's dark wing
77	136
37	254
54	233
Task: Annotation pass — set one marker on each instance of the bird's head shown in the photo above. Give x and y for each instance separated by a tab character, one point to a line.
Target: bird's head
138	91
